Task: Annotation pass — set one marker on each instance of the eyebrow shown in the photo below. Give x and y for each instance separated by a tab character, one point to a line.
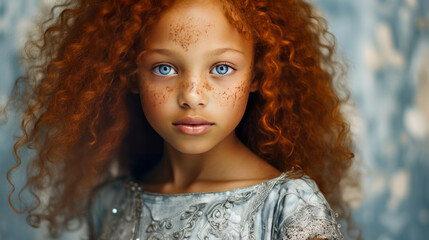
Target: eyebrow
168	52
223	50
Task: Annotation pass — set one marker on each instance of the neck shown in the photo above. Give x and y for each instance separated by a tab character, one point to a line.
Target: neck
221	162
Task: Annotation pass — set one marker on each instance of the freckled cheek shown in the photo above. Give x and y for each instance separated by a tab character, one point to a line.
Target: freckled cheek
234	98
153	97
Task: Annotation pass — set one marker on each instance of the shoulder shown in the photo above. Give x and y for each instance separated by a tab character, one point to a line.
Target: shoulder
301	190
300	210
291	195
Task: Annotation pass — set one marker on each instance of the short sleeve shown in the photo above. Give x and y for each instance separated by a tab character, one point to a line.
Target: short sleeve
303	213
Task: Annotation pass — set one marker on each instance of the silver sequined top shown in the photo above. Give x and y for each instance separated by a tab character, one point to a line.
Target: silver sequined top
281	208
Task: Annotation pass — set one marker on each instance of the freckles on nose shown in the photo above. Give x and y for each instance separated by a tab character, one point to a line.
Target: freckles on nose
186	85
194	86
207	86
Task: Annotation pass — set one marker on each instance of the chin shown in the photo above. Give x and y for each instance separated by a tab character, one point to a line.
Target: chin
192	148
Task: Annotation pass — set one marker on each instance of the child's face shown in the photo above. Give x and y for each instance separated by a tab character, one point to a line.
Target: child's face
195	77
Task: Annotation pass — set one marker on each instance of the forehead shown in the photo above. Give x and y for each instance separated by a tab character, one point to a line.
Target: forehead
200	9
189	22
189	30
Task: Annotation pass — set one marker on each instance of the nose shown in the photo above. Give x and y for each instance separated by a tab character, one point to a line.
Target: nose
192	94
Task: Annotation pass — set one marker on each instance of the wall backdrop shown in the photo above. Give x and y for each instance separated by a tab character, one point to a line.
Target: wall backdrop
386	44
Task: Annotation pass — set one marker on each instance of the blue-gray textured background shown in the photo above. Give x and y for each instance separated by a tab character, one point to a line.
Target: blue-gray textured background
386	43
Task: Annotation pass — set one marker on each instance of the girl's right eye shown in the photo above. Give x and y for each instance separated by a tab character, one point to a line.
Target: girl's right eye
164	70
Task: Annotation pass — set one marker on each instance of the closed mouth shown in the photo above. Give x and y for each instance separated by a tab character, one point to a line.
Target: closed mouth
192	121
193	125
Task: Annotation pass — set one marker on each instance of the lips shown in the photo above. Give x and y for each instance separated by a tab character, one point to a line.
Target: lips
193	125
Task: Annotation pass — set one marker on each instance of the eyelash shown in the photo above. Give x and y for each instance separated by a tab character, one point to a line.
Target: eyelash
229	68
157	69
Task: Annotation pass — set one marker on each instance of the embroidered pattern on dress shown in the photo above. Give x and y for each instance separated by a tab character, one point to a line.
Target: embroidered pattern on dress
221	222
263	191
191	215
219	215
230	217
305	225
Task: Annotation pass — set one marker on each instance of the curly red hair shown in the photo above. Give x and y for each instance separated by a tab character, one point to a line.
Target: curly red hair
80	116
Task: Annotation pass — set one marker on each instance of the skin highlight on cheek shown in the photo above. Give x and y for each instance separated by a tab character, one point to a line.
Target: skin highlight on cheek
188	32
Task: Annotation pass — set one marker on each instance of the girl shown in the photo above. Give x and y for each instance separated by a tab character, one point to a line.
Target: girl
197	119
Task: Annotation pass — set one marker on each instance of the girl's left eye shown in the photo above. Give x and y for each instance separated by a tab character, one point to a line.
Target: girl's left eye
221	69
164	70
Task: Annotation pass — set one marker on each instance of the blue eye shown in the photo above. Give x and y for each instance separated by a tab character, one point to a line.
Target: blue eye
164	70
222	69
